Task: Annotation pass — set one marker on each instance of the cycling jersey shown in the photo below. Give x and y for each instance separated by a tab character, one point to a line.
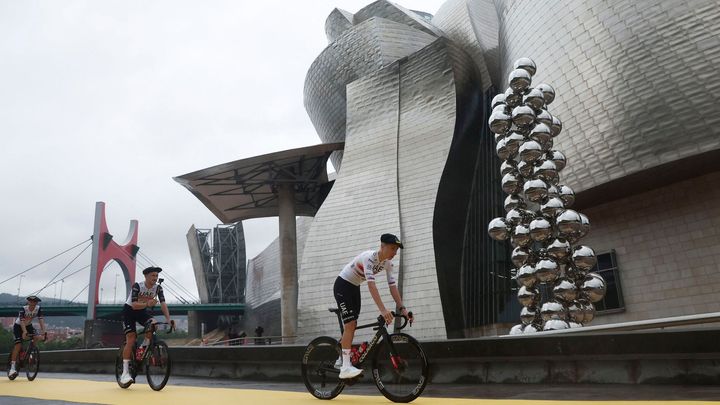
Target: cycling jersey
140	293
26	315
365	266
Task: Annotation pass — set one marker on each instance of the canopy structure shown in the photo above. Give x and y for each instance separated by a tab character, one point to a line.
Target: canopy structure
283	184
248	188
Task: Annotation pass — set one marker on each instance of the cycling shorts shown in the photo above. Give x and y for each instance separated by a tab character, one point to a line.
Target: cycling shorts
17	331
347	296
132	316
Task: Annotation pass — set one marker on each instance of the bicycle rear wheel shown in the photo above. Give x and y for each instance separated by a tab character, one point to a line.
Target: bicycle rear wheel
119	367
32	363
157	366
321	377
401	378
9	361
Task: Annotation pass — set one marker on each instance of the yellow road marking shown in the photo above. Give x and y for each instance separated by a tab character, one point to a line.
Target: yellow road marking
109	393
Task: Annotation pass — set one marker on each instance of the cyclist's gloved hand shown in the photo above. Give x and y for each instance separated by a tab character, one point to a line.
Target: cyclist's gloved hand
388	316
409	315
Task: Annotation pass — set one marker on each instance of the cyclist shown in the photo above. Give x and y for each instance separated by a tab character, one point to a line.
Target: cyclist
362	268
23	327
142	296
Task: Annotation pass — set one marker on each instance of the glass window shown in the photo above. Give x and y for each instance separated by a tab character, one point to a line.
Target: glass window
607	267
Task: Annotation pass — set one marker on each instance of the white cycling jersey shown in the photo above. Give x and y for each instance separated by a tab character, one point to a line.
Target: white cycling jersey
365	266
26	315
140	293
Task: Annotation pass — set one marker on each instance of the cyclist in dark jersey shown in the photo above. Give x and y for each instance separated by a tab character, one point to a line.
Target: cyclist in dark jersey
363	268
143	295
23	327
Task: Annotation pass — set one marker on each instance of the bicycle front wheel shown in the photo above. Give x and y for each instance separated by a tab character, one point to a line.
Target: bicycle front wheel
157	366
32	363
321	377
403	377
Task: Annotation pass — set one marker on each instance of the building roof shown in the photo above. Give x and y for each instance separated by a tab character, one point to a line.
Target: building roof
246	188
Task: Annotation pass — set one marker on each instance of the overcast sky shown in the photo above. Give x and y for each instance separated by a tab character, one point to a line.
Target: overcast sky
108	100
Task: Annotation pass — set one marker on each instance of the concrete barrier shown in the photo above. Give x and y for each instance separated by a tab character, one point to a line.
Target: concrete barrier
648	357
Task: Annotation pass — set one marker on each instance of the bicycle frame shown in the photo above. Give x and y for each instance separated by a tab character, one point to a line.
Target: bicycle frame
382	332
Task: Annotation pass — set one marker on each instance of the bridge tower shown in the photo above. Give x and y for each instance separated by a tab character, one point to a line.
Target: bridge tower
105	249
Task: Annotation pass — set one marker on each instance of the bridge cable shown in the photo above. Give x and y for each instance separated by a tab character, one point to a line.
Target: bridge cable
63	269
78	294
43	262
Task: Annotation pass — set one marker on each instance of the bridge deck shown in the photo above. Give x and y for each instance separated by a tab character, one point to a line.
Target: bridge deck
7	310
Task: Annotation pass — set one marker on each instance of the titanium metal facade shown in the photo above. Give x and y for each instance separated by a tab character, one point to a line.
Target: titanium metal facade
408	95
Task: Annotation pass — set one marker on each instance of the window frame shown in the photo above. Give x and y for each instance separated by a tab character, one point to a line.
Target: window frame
618	283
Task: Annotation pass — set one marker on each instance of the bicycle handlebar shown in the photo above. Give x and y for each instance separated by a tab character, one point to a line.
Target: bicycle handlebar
381	320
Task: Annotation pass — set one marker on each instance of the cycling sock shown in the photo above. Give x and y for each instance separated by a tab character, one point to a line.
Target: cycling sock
346	357
126	366
12	365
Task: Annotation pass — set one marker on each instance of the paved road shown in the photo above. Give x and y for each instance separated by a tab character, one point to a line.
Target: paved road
61	388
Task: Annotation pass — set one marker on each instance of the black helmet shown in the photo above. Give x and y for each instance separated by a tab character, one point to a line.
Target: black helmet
33	298
152	270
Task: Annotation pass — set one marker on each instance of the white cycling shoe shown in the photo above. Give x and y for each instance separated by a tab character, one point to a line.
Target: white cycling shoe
338	363
349	372
12	373
126	378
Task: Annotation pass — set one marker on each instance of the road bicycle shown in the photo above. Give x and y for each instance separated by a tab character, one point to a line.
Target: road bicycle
155	359
28	358
399	366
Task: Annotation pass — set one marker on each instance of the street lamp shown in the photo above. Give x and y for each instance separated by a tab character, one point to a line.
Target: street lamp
62	282
101	291
19	284
115	289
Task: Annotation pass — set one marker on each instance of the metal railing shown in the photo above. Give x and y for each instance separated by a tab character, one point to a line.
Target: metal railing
246	341
657	323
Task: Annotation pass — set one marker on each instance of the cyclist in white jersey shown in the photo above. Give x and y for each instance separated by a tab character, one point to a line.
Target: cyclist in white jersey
363	268
23	327
143	295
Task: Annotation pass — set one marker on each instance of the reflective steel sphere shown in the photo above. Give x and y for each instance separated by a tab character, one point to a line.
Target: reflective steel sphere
499	99
547	270
556	126
502	150
574	325
594	287
513	142
508	166
583	257
541	134
567	195
552	310
498	229
552	190
528	296
576	312
547	91
499	122
532	328
519	80
516	330
498	137
546	170
526	169
540	229
512	99
527	315
534	99
558	158
565	290
519	256
525	276
513	201
511	184
585	225
556	324
526	64
514	217
568	222
552	207
530	151
535	190
558	249
520	236
522	116
544	117
589	312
